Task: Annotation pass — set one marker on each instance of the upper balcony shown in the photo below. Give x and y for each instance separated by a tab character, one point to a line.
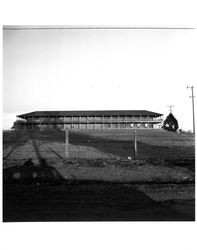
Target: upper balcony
38	120
20	120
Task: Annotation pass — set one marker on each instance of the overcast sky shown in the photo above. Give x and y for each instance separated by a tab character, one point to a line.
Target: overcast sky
87	69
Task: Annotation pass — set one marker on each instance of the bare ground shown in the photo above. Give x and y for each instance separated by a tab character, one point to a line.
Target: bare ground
98	182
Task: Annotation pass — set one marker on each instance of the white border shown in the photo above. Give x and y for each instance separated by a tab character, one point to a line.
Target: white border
127	235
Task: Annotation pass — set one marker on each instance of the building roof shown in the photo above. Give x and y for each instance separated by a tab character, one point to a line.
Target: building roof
90	113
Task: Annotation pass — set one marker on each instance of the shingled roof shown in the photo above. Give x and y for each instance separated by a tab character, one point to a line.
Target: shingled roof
90	113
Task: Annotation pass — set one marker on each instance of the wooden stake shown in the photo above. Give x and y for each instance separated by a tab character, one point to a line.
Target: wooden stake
66	141
135	144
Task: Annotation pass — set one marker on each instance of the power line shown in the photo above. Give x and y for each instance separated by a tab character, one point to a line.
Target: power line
92	27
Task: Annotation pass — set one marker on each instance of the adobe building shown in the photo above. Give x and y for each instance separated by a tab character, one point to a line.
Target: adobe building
86	120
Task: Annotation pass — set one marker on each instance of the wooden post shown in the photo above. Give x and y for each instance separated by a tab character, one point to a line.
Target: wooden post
118	121
135	144
66	141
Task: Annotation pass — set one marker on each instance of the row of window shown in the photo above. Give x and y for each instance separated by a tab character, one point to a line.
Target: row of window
92	126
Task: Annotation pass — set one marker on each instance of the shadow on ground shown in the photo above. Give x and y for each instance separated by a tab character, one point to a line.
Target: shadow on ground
40	193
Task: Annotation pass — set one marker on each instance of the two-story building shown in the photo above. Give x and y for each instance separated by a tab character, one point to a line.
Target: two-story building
98	119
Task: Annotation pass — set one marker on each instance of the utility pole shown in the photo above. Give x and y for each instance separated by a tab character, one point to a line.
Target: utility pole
170	106
192	96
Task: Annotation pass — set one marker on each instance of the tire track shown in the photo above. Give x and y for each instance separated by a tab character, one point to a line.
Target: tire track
18	139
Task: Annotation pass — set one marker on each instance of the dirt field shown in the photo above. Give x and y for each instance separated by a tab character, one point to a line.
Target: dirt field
151	144
160	181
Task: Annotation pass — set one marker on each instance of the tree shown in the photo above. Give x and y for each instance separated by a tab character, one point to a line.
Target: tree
170	123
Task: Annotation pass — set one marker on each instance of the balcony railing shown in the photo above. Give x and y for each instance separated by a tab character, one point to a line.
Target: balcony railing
133	120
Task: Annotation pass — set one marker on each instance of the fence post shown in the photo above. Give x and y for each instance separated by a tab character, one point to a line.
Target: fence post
135	144
66	141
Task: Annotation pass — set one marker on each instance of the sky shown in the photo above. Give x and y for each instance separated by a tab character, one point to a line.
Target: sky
98	69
